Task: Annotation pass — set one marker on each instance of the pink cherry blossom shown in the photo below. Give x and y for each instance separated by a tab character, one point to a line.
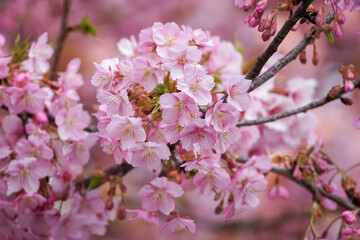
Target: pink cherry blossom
116	103
30	98
72	122
180	59
237	93
278	191
71	79
33	147
143	216
166	36
13	128
104	72
25	173
178	107
127	130
197	84
222	116
245	184
127	47
159	195
197	136
147	73
241	3
4	69
212	177
178	224
149	154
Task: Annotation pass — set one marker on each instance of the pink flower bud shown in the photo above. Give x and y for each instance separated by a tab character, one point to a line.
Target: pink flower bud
348	85
337	30
41	117
349	217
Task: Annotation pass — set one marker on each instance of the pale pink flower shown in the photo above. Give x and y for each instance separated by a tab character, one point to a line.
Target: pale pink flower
147	73
116	103
40	50
30	98
197	137
159	195
128	130
65	99
178	107
79	151
72	122
123	75
143	216
104	72
71	79
172	131
197	84
212	177
181	59
226	139
349	217
168	35
4	69
237	93
25	174
149	154
13	128
245	184
350	233
261	163
199	38
33	147
127	47
178	224
278	191
222	116
301	90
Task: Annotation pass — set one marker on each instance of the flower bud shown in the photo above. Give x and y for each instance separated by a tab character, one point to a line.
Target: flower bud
41	117
302	57
349	217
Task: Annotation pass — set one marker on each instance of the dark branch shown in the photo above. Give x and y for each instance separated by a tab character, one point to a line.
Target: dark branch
117	170
64	30
309	39
272	48
318	103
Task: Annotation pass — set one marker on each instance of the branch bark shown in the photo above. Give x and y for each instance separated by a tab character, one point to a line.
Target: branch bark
309	39
318	103
64	30
272	48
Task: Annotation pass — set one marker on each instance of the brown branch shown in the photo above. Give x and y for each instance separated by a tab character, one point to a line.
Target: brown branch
318	103
309	39
116	170
313	189
272	48
308	186
64	30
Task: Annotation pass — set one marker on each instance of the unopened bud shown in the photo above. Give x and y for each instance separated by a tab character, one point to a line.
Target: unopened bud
302	57
109	204
349	186
337	30
121	213
315	58
346	101
41	117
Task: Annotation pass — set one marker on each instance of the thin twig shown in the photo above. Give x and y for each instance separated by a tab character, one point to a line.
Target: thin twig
318	103
283	32
64	30
309	39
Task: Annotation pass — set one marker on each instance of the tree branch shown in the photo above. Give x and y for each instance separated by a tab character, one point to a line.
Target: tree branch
309	39
272	48
313	189
308	186
315	104
64	30
116	170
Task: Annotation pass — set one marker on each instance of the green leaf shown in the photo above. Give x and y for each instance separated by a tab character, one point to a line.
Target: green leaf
96	180
20	52
160	88
87	27
167	84
192	173
330	37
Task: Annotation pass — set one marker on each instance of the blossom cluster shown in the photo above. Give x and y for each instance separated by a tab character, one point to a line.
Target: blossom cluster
43	149
268	24
171	102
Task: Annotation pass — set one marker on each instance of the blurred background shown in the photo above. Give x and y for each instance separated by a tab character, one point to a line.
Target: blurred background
277	219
